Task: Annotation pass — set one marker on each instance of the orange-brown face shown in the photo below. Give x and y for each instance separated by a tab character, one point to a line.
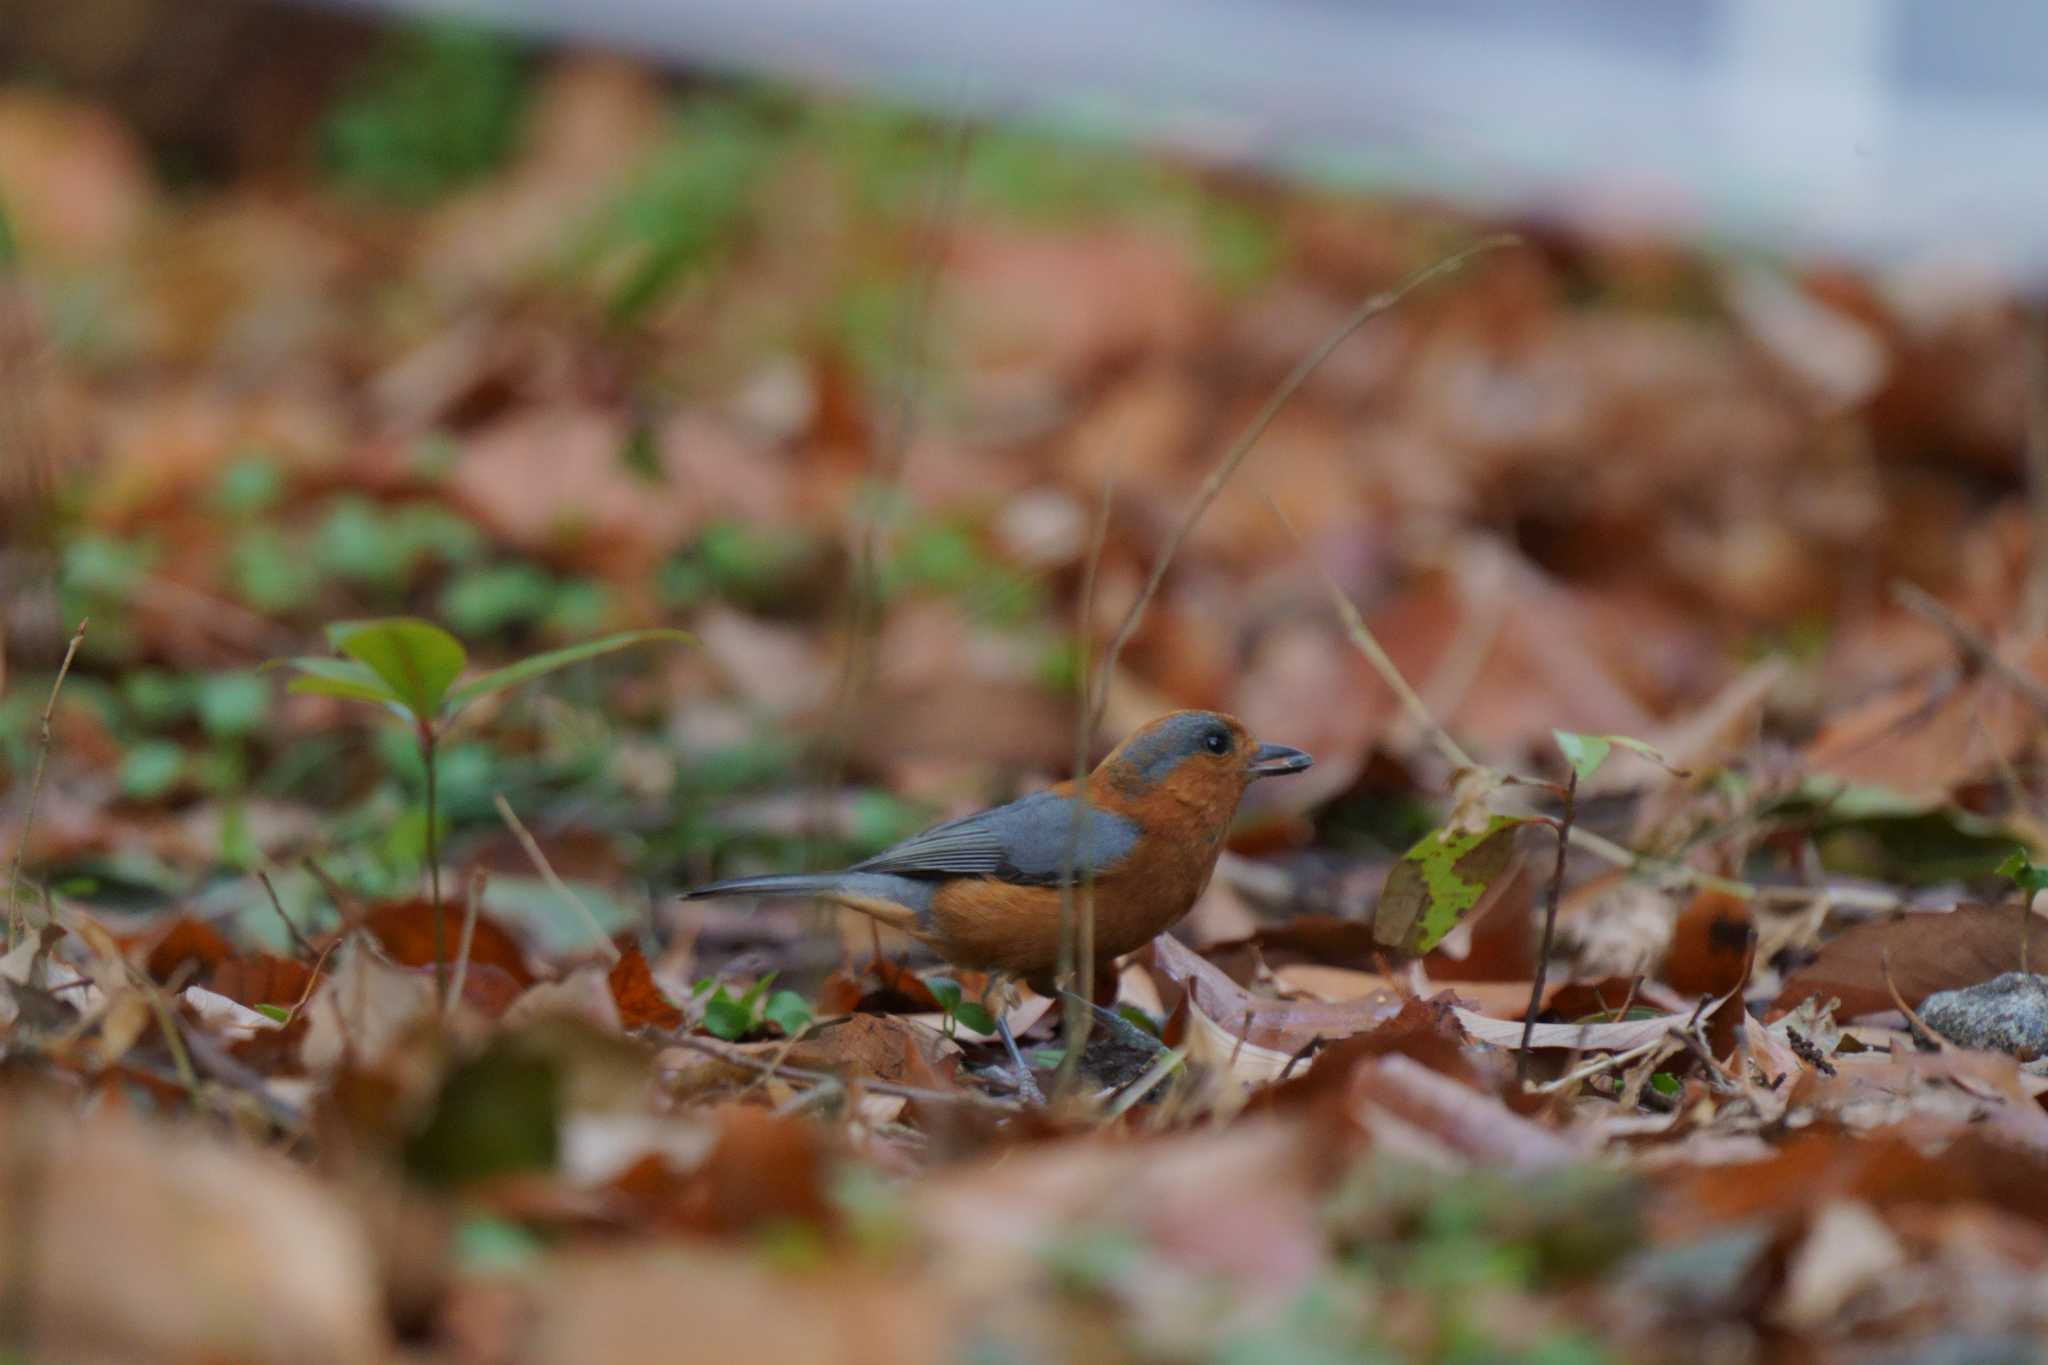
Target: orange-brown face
1199	749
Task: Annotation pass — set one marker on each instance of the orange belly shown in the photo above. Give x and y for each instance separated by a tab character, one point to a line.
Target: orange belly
998	927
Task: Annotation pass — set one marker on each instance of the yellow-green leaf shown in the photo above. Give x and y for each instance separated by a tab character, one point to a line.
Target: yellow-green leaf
1584	752
1438	880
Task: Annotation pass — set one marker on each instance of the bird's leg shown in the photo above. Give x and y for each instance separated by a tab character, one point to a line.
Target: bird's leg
997	1001
1120	1028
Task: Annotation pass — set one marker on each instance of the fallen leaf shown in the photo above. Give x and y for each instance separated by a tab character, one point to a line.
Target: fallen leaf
363	1008
1281	1025
640	1001
155	1242
405	931
1616	1036
1441	877
1927	953
1475	1126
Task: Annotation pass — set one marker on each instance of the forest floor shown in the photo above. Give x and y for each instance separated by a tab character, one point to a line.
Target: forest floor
310	1059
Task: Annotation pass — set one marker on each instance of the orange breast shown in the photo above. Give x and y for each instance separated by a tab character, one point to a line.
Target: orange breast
999	927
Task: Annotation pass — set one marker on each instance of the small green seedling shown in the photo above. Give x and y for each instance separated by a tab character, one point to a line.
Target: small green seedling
958	1009
410	667
732	1019
1585	753
2029	877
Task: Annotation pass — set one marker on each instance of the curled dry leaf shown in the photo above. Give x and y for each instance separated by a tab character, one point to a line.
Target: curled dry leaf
1281	1025
225	1017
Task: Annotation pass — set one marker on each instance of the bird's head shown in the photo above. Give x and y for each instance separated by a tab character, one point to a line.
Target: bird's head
1201	750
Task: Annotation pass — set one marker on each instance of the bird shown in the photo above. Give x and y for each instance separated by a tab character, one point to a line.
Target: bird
984	891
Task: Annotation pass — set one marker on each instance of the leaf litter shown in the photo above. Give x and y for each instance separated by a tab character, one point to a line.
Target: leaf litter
1572	503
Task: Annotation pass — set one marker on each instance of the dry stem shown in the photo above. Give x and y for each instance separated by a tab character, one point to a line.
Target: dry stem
35	787
547	874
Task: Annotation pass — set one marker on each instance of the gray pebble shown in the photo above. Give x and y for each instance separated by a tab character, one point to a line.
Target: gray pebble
2008	1013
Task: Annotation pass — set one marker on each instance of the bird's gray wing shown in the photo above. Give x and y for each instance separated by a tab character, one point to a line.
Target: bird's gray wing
1030	842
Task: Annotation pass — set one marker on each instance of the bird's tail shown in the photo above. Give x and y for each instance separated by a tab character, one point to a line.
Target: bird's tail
775	884
896	901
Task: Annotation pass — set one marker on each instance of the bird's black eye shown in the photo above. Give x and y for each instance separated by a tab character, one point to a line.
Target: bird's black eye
1217	741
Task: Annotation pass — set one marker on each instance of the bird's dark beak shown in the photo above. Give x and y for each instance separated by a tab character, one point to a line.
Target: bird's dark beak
1277	760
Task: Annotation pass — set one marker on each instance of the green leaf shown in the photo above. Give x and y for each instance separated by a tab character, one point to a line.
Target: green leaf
277	1012
150	769
1437	880
1587	752
343	678
232	704
727	1018
1584	752
971	1015
945	990
788	1011
1664	1083
752	999
416	659
2026	875
526	670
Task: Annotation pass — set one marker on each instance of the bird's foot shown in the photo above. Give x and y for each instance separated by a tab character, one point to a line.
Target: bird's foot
1120	1028
1026	1083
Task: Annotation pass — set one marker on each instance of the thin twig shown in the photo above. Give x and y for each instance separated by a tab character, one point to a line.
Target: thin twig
35	787
344	904
1368	644
1234	456
1550	899
299	943
547	874
1168	1063
1913	1019
173	1038
1974	648
1600	1064
319	966
724	1053
1077	911
477	880
889	453
430	755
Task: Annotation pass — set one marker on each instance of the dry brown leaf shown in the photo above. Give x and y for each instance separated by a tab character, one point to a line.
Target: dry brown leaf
1476	1126
1616	1036
639	1000
1927	953
405	931
888	1047
155	1243
363	1008
584	994
657	1301
1284	1026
